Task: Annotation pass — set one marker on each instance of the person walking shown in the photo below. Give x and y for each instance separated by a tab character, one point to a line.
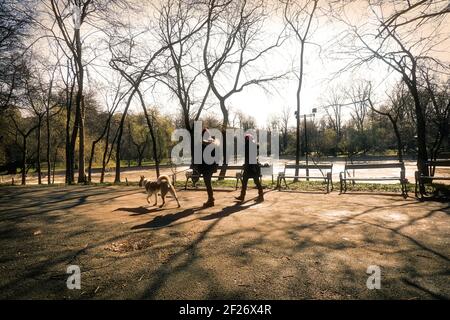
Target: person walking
207	170
252	169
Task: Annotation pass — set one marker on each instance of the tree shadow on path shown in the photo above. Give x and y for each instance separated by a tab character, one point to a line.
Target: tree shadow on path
165	220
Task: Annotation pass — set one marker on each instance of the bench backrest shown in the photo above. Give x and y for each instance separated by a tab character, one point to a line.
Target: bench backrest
228	167
321	166
356	166
439	163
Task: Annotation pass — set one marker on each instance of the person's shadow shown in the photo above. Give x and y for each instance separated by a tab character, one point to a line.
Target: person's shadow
225	212
139	210
165	220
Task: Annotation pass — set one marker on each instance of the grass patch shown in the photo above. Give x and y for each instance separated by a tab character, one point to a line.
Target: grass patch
227	183
431	189
376	187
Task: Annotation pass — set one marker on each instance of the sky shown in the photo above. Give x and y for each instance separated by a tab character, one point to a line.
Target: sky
319	76
322	61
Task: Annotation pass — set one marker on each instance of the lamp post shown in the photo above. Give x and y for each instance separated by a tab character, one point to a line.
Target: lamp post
76	17
314	111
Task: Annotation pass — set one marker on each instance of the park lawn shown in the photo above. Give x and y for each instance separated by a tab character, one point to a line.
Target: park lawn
442	189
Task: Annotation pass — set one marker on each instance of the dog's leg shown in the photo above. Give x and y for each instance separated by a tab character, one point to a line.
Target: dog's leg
156	199
163	196
148	197
174	194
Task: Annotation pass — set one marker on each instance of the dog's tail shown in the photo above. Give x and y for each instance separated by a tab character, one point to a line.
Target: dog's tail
163	178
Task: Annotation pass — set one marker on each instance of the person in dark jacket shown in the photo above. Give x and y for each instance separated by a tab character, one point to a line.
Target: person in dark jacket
252	169
207	170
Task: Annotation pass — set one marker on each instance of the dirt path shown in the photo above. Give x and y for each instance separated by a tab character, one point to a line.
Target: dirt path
292	246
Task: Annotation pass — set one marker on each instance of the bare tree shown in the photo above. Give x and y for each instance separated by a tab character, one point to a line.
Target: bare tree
81	12
44	104
69	81
393	111
403	48
437	91
233	44
24	130
35	102
358	94
139	138
119	95
120	63
126	60
335	102
416	13
26	117
14	26
49	107
299	15
185	76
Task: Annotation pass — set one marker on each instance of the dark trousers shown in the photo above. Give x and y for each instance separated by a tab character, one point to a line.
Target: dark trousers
207	179
207	172
245	177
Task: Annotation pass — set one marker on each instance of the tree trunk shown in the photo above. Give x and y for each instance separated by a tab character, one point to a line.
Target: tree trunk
54	165
225	123
422	154
285	140
154	144
152	134
68	151
70	139
118	143
70	145
48	146
399	138
24	160
81	169
38	160
102	173
80	106
91	157
299	90
94	143
141	153
119	137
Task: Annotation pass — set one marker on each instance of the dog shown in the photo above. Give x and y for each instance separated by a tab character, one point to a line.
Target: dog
163	185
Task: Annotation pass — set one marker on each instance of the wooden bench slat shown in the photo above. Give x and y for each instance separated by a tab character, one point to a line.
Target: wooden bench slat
374	166
326	176
434	178
310	167
309	177
439	163
364	166
372	179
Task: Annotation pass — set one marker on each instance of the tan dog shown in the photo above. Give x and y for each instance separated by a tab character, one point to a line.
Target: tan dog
163	185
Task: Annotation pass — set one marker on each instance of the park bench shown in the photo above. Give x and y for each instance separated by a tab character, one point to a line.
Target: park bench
373	166
326	171
191	175
421	180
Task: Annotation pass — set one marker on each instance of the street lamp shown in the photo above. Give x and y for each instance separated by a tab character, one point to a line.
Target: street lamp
76	17
314	111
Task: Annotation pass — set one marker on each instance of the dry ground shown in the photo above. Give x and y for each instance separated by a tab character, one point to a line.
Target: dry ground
292	246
